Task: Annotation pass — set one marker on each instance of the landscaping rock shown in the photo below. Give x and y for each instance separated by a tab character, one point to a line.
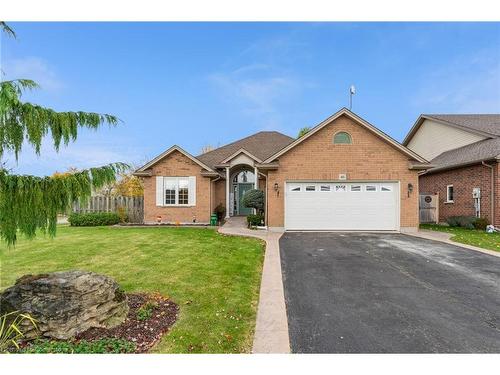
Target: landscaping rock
67	303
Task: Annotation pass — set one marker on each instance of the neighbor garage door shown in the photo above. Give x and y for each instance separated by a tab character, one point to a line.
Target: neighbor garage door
342	206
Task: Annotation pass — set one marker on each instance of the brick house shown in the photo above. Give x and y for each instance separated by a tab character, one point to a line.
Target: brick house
465	153
344	174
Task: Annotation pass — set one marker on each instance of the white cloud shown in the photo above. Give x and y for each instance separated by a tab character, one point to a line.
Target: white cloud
80	155
33	68
467	85
257	90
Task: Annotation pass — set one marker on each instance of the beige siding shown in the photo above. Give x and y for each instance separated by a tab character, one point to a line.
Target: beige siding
434	138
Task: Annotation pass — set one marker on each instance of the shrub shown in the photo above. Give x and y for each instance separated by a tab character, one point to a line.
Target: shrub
481	223
146	310
461	221
255	220
122	214
254	198
93	219
101	346
220	210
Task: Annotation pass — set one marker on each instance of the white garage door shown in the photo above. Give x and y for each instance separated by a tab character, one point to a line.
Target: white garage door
342	206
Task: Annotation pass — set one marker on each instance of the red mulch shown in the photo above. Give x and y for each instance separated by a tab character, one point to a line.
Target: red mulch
144	333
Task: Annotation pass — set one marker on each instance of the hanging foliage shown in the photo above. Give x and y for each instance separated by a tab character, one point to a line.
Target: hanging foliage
21	122
30	203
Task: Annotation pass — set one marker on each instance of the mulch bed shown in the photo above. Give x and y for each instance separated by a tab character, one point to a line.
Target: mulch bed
143	333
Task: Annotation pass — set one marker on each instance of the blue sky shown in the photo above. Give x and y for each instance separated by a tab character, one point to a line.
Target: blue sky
194	84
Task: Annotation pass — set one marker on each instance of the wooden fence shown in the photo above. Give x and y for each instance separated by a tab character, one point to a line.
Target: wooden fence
133	206
429	208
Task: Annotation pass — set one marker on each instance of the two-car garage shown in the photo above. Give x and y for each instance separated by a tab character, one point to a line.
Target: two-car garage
322	205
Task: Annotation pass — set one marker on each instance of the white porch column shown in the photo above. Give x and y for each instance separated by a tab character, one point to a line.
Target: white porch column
256	183
228	203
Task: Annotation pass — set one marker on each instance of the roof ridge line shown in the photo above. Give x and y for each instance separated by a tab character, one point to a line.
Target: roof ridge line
242	139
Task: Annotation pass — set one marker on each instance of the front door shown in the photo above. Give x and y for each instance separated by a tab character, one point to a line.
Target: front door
242	189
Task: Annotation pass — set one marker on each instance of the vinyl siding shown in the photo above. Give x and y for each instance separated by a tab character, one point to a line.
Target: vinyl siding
434	138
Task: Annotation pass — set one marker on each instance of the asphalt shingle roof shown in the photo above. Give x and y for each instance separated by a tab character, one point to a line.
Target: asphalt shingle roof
262	145
483	150
485	123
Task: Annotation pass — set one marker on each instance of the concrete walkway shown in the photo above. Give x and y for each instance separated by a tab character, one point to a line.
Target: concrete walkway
445	237
271	330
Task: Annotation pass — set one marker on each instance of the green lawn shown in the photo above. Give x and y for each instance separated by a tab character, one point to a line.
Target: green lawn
472	237
215	279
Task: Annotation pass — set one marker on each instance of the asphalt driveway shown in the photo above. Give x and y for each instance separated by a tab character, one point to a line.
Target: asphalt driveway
376	293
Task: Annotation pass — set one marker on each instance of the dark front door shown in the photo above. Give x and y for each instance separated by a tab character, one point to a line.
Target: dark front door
242	189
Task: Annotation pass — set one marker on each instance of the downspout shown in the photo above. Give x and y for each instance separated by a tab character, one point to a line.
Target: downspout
492	191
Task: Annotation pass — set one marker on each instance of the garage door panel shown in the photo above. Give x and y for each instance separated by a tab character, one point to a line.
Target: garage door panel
342	207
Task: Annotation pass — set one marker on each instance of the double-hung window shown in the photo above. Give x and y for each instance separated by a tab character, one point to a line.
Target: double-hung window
175	191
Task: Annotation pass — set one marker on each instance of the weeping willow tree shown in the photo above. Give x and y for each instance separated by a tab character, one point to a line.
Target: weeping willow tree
31	203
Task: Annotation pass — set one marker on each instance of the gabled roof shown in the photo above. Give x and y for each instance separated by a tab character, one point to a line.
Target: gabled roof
260	145
359	120
241	151
168	152
487	149
487	125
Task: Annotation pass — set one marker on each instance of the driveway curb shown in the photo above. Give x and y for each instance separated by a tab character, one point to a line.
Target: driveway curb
271	329
445	238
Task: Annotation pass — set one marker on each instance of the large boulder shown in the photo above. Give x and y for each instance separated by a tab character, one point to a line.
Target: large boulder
67	303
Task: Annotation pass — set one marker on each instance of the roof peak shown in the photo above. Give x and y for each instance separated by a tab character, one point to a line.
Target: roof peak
245	138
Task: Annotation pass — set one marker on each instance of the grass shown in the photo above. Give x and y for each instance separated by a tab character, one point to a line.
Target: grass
215	279
472	237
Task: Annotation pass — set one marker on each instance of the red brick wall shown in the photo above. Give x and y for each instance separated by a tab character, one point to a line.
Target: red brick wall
367	158
177	164
463	181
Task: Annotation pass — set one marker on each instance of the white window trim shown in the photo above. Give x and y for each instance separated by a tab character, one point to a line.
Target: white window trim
176	179
448	194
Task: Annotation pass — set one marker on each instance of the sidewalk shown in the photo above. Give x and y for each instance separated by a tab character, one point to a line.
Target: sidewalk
271	329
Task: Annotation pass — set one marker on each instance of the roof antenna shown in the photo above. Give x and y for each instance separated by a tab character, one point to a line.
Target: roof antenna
352	91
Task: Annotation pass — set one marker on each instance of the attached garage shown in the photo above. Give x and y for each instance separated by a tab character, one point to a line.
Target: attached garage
346	206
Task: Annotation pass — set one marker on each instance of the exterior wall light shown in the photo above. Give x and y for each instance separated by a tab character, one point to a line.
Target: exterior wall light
410	189
277	189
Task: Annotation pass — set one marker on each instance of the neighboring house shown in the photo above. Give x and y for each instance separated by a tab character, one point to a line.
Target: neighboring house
465	153
344	174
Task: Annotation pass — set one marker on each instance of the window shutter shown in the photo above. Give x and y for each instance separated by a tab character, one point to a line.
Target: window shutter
192	190
160	192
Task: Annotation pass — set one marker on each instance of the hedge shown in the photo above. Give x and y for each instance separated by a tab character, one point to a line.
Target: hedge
255	220
93	219
469	222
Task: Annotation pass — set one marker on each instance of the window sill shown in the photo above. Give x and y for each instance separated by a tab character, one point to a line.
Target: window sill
449	202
